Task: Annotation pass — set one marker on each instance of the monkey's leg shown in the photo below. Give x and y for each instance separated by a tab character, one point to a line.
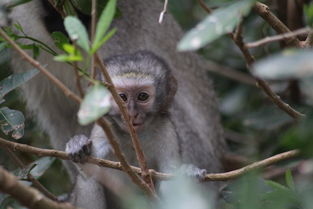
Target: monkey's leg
88	194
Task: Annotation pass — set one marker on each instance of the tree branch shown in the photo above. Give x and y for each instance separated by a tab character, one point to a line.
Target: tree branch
204	6
57	8
27	196
264	11
161	176
231	74
78	81
30	177
123	164
278	37
92	35
257	165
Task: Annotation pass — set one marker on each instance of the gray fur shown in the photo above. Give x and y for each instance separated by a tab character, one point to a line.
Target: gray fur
194	112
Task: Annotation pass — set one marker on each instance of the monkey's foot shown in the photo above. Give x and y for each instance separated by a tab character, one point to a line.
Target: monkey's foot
78	148
193	171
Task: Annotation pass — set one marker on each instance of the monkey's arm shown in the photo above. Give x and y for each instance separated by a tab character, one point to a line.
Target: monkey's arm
169	159
79	146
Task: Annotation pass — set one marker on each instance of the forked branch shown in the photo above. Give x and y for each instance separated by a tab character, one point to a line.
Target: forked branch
26	195
162	176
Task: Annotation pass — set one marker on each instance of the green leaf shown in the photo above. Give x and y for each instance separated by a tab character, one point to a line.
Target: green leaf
60	39
68	58
22	173
36	51
267	118
40	166
69	48
308	13
73	54
220	22
286	65
15	80
12	121
276	186
2	45
84	6
4	53
77	32
104	22
18	27
289	180
280	196
97	45
95	104
69	9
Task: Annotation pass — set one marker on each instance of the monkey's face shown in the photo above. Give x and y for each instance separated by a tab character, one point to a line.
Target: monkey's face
139	99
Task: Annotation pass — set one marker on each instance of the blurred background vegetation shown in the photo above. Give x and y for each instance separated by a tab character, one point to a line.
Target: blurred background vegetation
254	127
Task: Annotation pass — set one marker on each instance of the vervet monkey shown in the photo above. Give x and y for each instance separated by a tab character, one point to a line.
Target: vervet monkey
194	110
147	87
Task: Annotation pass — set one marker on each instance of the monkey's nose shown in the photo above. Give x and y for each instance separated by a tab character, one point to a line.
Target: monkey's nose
134	118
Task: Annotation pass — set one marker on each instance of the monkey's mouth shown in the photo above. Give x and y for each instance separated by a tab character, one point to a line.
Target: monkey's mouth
137	126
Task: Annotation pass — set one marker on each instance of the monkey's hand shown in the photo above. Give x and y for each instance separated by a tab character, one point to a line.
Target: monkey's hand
79	148
193	171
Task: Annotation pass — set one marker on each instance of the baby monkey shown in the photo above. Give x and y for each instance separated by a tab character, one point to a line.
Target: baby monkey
146	85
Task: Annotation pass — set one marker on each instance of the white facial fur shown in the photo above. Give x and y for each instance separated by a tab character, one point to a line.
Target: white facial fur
131	85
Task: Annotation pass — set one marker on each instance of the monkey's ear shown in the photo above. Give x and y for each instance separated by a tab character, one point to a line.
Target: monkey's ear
171	88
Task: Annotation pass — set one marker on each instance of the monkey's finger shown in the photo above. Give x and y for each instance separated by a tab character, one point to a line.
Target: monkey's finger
87	148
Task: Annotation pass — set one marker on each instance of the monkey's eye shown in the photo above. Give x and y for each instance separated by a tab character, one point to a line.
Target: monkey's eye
143	96
123	97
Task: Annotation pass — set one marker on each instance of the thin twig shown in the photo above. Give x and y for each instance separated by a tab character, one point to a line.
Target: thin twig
64	156
161	176
135	141
163	11
278	37
264	11
27	196
30	177
60	11
123	162
78	81
231	73
204	6
93	29
257	165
